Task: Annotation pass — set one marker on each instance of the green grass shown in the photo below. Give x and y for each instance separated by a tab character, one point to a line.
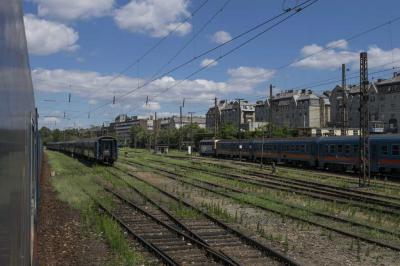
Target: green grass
73	181
349	211
271	201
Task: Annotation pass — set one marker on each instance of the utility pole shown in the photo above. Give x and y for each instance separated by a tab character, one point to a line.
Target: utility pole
191	128
215	118
270	111
344	102
364	178
269	123
180	128
240	120
155	129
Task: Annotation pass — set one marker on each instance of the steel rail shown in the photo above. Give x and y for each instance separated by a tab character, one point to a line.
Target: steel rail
327	173
172	217
350	194
365	239
152	248
250	241
330	196
317	213
210	251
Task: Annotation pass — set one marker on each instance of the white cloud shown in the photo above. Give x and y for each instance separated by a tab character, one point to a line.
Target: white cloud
334	54
378	57
151	106
91	86
208	62
92	102
73	9
51	120
246	78
221	37
339	44
154	17
318	58
46	37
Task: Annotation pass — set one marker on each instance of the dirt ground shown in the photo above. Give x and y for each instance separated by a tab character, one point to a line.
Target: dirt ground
60	236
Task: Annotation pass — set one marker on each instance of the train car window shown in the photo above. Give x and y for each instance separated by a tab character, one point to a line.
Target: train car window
355	149
347	148
395	150
302	148
332	148
384	150
297	147
340	148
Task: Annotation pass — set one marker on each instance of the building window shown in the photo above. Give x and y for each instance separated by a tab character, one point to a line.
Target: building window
395	150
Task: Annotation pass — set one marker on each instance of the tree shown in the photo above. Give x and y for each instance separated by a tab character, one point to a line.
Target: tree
139	137
46	135
228	131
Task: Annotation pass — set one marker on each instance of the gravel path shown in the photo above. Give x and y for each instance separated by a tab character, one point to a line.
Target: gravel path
60	236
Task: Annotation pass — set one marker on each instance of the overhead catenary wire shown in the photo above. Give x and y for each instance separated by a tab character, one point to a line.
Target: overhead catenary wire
295	9
352	37
357	35
185	45
237	47
157	44
340	42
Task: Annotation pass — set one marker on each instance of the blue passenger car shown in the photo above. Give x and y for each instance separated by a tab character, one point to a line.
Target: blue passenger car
101	149
338	152
385	153
234	148
266	150
301	151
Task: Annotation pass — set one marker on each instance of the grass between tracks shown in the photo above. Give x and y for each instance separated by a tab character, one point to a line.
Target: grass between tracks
270	199
378	186
72	181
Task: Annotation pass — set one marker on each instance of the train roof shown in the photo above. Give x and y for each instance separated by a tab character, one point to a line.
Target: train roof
83	140
385	137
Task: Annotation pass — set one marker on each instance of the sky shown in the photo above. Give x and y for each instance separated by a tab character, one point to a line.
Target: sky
150	55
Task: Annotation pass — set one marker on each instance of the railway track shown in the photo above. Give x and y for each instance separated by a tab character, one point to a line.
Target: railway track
159	235
349	177
217	190
311	190
328	187
220	238
317	213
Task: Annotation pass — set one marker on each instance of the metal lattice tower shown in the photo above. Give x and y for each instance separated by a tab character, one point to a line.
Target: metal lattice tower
364	179
344	102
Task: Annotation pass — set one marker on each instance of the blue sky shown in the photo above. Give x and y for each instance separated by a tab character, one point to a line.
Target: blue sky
81	46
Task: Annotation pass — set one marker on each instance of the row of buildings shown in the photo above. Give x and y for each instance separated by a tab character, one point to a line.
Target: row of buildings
121	127
309	113
313	114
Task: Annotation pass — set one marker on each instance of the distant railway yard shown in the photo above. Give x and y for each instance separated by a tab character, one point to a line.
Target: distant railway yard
175	209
